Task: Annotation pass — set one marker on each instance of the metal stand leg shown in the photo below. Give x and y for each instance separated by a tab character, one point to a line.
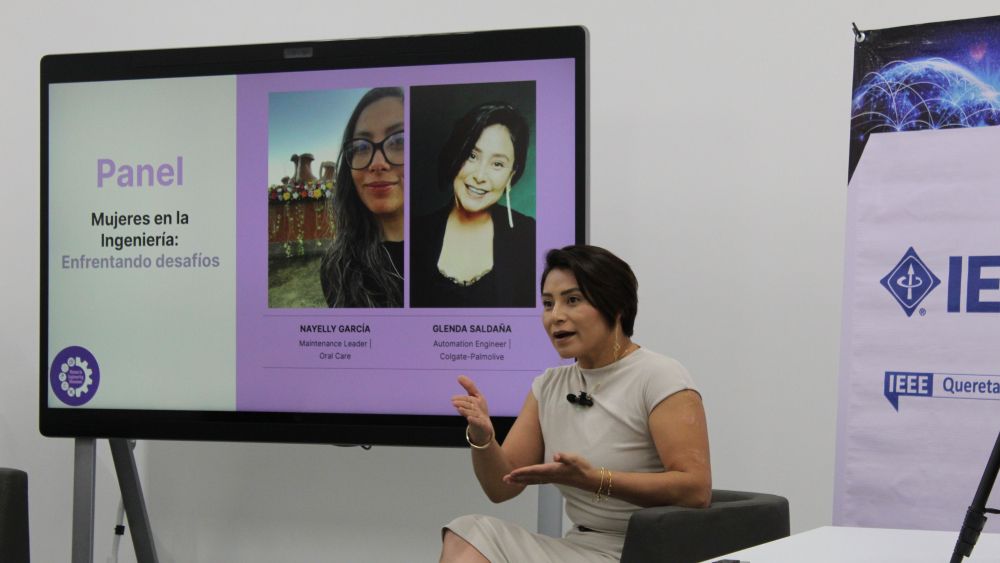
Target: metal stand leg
135	504
84	469
550	517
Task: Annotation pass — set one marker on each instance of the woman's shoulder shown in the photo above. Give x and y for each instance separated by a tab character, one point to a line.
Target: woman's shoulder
525	219
439	215
426	234
653	358
514	241
659	366
658	376
522	223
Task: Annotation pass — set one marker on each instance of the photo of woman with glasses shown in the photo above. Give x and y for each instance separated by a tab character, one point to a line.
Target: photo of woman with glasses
363	266
476	250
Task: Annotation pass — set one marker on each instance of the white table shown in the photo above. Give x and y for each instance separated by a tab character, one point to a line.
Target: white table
833	544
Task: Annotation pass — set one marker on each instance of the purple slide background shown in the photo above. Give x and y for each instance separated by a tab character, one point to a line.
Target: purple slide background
401	372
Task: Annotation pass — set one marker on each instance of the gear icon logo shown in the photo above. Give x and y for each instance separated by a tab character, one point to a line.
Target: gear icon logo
74	376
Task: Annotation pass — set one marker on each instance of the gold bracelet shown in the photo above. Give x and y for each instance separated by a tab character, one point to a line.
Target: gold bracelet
597	495
608	494
476	446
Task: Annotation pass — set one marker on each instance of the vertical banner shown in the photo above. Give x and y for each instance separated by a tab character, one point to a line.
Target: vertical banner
919	401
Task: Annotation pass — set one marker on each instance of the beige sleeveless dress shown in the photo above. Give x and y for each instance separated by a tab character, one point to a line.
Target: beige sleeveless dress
613	433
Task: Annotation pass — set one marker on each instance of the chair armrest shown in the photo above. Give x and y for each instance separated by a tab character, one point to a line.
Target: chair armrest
735	520
13	516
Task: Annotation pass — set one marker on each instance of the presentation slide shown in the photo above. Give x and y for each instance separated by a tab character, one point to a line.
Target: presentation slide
343	241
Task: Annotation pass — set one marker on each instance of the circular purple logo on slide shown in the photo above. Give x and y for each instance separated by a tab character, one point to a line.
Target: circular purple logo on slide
74	375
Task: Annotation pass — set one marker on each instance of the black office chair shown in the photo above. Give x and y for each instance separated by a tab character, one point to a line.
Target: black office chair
13	516
736	520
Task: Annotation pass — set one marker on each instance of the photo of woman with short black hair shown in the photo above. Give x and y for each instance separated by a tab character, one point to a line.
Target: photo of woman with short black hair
476	250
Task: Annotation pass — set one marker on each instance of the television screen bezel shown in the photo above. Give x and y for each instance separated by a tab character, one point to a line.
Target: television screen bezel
332	428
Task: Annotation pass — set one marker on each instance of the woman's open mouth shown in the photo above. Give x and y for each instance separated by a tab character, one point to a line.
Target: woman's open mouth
476	191
561	335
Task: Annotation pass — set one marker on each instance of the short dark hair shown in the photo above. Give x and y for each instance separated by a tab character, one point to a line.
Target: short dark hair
605	280
466	132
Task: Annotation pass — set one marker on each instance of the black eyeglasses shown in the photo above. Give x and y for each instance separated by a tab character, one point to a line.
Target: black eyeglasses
359	153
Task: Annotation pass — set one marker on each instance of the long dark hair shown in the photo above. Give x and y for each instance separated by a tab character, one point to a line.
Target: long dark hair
358	268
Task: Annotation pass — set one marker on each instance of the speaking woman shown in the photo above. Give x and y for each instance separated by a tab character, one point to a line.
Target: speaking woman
475	252
364	265
621	428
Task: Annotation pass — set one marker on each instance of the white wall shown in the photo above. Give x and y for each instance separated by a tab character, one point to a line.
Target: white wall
719	153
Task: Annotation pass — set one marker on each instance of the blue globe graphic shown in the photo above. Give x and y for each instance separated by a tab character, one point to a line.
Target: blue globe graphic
931	93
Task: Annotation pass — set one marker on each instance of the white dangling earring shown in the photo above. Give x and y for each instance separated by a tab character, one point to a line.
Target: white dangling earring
510	214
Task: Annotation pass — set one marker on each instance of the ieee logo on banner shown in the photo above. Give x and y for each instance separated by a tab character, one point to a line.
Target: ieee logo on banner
913	384
910	281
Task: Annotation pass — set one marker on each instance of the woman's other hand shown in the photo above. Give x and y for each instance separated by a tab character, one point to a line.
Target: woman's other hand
565	469
473	407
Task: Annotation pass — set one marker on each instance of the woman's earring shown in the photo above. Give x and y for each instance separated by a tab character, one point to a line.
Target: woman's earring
617	349
510	215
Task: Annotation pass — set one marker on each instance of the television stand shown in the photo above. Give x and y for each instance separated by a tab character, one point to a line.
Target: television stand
84	470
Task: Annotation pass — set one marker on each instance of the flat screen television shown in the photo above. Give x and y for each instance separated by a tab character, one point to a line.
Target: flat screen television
259	242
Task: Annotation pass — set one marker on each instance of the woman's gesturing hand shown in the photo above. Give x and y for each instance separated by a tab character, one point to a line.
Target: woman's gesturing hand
565	469
473	407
